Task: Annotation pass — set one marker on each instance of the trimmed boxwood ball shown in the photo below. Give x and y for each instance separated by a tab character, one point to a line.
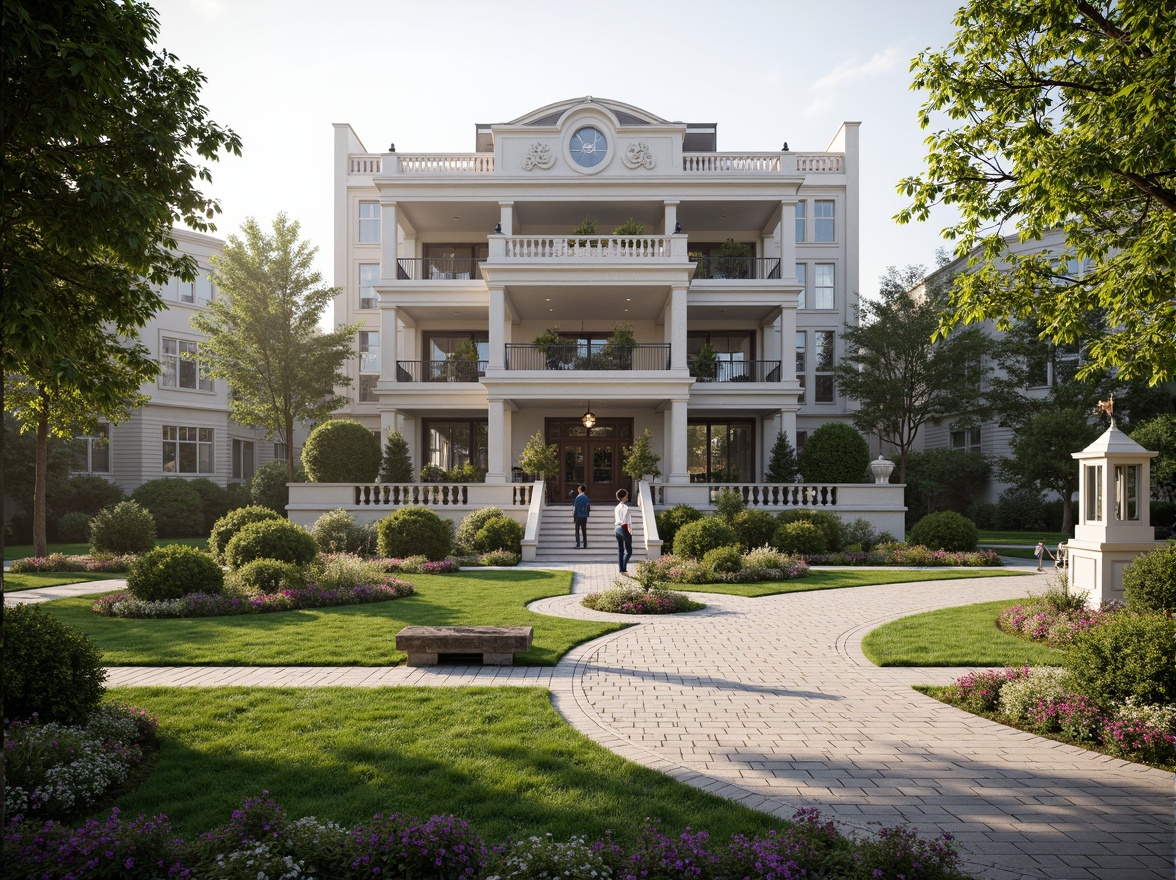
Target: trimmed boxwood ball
1127	655
225	528
50	668
127	527
835	453
694	539
754	528
1149	582
828	524
468	529
173	572
499	533
723	560
945	530
669	521
177	507
415	531
341	451
269	576
799	538
271	539
336	531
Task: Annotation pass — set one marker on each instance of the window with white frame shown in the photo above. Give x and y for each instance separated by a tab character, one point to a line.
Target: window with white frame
242	459
187	450
967	439
823	220
205	289
369	364
801	362
279	451
369	222
800	233
182	367
823	349
801	279
93	452
824	282
369	274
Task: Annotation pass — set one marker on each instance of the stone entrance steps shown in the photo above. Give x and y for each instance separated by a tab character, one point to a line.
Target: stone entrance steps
557	536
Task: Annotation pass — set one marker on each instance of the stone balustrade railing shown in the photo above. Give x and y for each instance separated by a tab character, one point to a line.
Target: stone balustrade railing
469	163
483	163
588	247
370	164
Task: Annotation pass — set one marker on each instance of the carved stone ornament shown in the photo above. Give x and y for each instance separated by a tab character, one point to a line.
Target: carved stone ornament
638	155
539	157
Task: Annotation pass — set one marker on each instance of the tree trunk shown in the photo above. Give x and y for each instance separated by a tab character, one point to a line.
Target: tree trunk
1067	512
289	429
41	482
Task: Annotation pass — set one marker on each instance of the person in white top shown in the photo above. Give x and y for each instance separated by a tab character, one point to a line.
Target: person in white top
623	525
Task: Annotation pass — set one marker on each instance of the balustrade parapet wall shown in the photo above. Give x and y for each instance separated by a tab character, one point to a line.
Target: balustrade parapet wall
374	501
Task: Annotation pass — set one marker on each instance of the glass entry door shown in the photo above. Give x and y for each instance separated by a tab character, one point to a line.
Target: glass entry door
591	457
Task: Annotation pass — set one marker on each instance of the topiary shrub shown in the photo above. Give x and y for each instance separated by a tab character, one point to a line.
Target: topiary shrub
413	531
799	538
1149	582
945	530
728	503
268	576
754	528
50	668
269	488
73	528
214	501
694	539
396	463
173	572
127	527
499	533
835	453
271	539
468	529
1127	655
337	532
669	521
830	526
723	560
341	451
225	528
176	506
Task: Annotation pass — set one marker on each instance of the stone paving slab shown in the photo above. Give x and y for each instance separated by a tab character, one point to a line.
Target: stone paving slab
771	702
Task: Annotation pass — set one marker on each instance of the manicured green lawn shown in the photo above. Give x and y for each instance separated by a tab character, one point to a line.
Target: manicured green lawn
834	579
501	758
37	579
962	636
995	538
21	551
357	635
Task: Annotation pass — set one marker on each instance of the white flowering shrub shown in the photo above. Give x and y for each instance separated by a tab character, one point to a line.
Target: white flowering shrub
542	858
1019	697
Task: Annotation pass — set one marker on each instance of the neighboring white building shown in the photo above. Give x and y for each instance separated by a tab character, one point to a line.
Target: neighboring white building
434	252
184	430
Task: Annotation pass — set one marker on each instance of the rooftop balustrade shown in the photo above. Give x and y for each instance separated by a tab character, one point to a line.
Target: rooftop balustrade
692	163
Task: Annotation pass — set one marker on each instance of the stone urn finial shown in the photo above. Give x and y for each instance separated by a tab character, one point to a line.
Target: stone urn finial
882	468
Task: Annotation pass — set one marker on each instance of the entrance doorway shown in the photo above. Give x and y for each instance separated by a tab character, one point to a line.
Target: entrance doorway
591	456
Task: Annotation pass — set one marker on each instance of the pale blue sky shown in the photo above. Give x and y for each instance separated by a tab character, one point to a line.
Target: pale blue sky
421	74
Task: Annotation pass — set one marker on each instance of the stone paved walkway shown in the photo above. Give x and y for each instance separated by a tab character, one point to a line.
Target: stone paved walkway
770	702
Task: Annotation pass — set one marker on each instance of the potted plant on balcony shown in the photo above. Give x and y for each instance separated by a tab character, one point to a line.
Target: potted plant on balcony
557	349
587	227
630	227
617	351
704	365
640	461
461	364
702	267
734	260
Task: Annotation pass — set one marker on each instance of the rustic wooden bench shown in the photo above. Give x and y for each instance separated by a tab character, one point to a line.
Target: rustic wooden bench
496	644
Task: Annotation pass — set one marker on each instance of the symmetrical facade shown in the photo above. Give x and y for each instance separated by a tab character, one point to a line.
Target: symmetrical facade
495	301
185	430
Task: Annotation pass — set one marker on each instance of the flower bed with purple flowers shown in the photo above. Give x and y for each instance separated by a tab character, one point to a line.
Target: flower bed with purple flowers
634	600
1040	620
123	604
260	840
62	562
913	555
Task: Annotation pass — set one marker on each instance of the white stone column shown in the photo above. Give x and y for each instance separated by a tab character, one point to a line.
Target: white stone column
675	443
389	339
506	217
671	212
389	232
498	330
497	442
675	327
787	236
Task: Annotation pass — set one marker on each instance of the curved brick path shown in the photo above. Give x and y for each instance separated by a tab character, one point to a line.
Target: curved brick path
770	702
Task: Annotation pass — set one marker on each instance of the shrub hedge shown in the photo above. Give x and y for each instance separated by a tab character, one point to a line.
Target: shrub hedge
127	527
468	528
499	533
694	539
50	668
669	521
1149	582
341	451
1127	655
754	528
268	576
225	528
177	507
269	488
271	539
835	453
799	538
945	530
174	571
413	531
828	524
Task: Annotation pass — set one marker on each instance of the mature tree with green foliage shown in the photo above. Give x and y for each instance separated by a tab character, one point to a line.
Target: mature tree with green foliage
1159	435
1064	116
263	335
901	378
1043	448
782	467
943	479
103	135
20	468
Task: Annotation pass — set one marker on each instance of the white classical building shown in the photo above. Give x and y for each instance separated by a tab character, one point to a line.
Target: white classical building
488	284
184	430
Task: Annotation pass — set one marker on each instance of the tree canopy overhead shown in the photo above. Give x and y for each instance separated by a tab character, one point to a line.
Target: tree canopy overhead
1064	117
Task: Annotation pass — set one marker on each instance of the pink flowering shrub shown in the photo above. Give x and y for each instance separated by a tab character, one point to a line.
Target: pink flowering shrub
626	599
1039	620
913	555
61	562
980	691
417	565
1076	717
1137	740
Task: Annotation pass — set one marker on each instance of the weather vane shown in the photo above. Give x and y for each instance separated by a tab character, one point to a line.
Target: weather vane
1108	406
